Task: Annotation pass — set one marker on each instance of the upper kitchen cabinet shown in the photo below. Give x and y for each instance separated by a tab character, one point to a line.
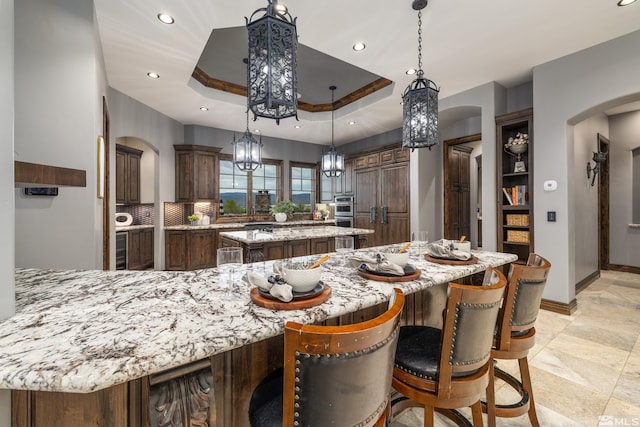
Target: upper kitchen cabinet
196	173
127	174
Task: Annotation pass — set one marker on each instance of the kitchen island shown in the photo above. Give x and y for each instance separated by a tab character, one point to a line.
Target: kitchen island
135	348
268	244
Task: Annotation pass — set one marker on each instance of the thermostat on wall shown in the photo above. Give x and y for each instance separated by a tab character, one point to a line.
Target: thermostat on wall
550	185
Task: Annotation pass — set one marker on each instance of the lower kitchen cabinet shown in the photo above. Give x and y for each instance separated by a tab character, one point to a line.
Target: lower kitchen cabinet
190	249
140	249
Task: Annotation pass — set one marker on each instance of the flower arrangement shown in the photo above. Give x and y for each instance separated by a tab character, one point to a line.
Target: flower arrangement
193	219
520	139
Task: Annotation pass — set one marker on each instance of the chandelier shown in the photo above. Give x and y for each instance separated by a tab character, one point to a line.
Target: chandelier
271	67
247	152
420	102
332	162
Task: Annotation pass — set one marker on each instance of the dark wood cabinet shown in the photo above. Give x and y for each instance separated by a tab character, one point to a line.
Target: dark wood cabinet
457	222
322	245
382	199
196	169
190	249
140	249
347	178
515	185
127	174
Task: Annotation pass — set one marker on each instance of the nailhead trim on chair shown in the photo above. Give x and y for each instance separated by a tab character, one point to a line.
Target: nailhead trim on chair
300	355
515	297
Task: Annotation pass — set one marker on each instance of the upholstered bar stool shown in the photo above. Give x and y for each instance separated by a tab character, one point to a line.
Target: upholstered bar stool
515	336
333	375
444	369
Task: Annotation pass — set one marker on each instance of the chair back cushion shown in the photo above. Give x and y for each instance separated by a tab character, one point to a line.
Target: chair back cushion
340	375
524	293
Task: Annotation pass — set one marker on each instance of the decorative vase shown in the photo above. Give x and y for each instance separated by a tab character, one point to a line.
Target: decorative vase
194	223
281	217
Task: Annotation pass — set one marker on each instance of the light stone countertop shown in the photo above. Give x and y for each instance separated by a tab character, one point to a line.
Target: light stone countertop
81	331
223	225
293	233
132	227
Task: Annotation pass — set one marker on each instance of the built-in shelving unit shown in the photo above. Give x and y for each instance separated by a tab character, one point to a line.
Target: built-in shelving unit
515	184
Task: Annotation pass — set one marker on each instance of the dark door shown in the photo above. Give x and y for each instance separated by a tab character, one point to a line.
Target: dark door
457	192
367	211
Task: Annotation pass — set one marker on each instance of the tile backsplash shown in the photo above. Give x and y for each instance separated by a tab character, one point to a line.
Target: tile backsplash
143	214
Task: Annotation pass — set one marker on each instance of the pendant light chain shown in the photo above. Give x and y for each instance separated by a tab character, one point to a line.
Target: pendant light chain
333	92
420	43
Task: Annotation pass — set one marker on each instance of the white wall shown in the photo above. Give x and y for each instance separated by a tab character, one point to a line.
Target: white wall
7	262
565	92
585	197
57	123
130	118
624	136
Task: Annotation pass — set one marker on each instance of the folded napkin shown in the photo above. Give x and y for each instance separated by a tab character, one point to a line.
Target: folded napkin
444	249
377	265
282	291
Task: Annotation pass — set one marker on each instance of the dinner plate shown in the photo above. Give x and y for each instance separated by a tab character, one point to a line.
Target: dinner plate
298	295
411	273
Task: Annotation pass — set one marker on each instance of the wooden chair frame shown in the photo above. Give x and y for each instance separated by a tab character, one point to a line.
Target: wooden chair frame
513	342
448	392
331	340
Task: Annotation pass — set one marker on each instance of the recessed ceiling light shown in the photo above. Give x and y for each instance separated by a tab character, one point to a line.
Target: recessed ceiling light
359	46
352	122
625	2
411	71
204	108
153	75
256	131
165	18
297	126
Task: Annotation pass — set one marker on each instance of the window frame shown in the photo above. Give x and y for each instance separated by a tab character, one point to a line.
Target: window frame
315	184
249	195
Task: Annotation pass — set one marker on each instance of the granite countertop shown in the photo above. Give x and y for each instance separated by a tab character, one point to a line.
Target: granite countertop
133	227
81	331
222	225
294	233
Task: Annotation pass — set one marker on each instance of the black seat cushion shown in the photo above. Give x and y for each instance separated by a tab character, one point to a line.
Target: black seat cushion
418	351
265	407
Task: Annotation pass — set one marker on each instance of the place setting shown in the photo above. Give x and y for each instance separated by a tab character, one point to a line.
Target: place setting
294	284
390	265
450	252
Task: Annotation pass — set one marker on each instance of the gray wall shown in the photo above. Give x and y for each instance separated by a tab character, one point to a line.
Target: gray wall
7	209
57	120
565	92
624	137
585	197
132	119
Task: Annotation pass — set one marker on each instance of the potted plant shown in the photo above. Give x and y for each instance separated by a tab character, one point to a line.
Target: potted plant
193	219
282	209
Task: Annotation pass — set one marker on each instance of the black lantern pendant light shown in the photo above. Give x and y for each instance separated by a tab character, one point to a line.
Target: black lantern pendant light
332	162
247	152
271	69
420	102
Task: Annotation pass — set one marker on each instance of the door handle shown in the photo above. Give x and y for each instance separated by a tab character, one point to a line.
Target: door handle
372	214
385	210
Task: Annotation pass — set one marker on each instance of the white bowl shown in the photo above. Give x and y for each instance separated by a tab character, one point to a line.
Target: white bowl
396	258
300	277
464	246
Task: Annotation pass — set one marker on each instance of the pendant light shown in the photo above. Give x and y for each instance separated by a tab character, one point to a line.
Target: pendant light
420	102
332	162
271	71
247	152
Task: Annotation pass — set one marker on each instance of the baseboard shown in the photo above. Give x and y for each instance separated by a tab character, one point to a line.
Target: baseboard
584	283
624	268
559	307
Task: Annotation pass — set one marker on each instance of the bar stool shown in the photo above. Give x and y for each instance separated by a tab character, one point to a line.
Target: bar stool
448	368
515	336
333	375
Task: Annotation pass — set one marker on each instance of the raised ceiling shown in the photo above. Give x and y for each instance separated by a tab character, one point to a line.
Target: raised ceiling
466	43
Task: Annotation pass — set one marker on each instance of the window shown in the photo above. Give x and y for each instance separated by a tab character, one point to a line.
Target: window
238	189
303	185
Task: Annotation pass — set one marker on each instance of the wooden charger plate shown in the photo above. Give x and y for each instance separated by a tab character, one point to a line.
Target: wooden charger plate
470	261
274	304
390	279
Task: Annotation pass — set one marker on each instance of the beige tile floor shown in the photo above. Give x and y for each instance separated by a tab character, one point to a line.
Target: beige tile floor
585	367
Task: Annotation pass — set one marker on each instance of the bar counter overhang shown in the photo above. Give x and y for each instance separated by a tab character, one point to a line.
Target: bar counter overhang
79	332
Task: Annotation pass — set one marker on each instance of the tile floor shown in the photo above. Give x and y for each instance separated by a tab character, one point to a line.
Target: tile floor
585	368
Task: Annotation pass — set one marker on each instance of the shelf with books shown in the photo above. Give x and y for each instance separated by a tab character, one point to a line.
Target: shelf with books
514	160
